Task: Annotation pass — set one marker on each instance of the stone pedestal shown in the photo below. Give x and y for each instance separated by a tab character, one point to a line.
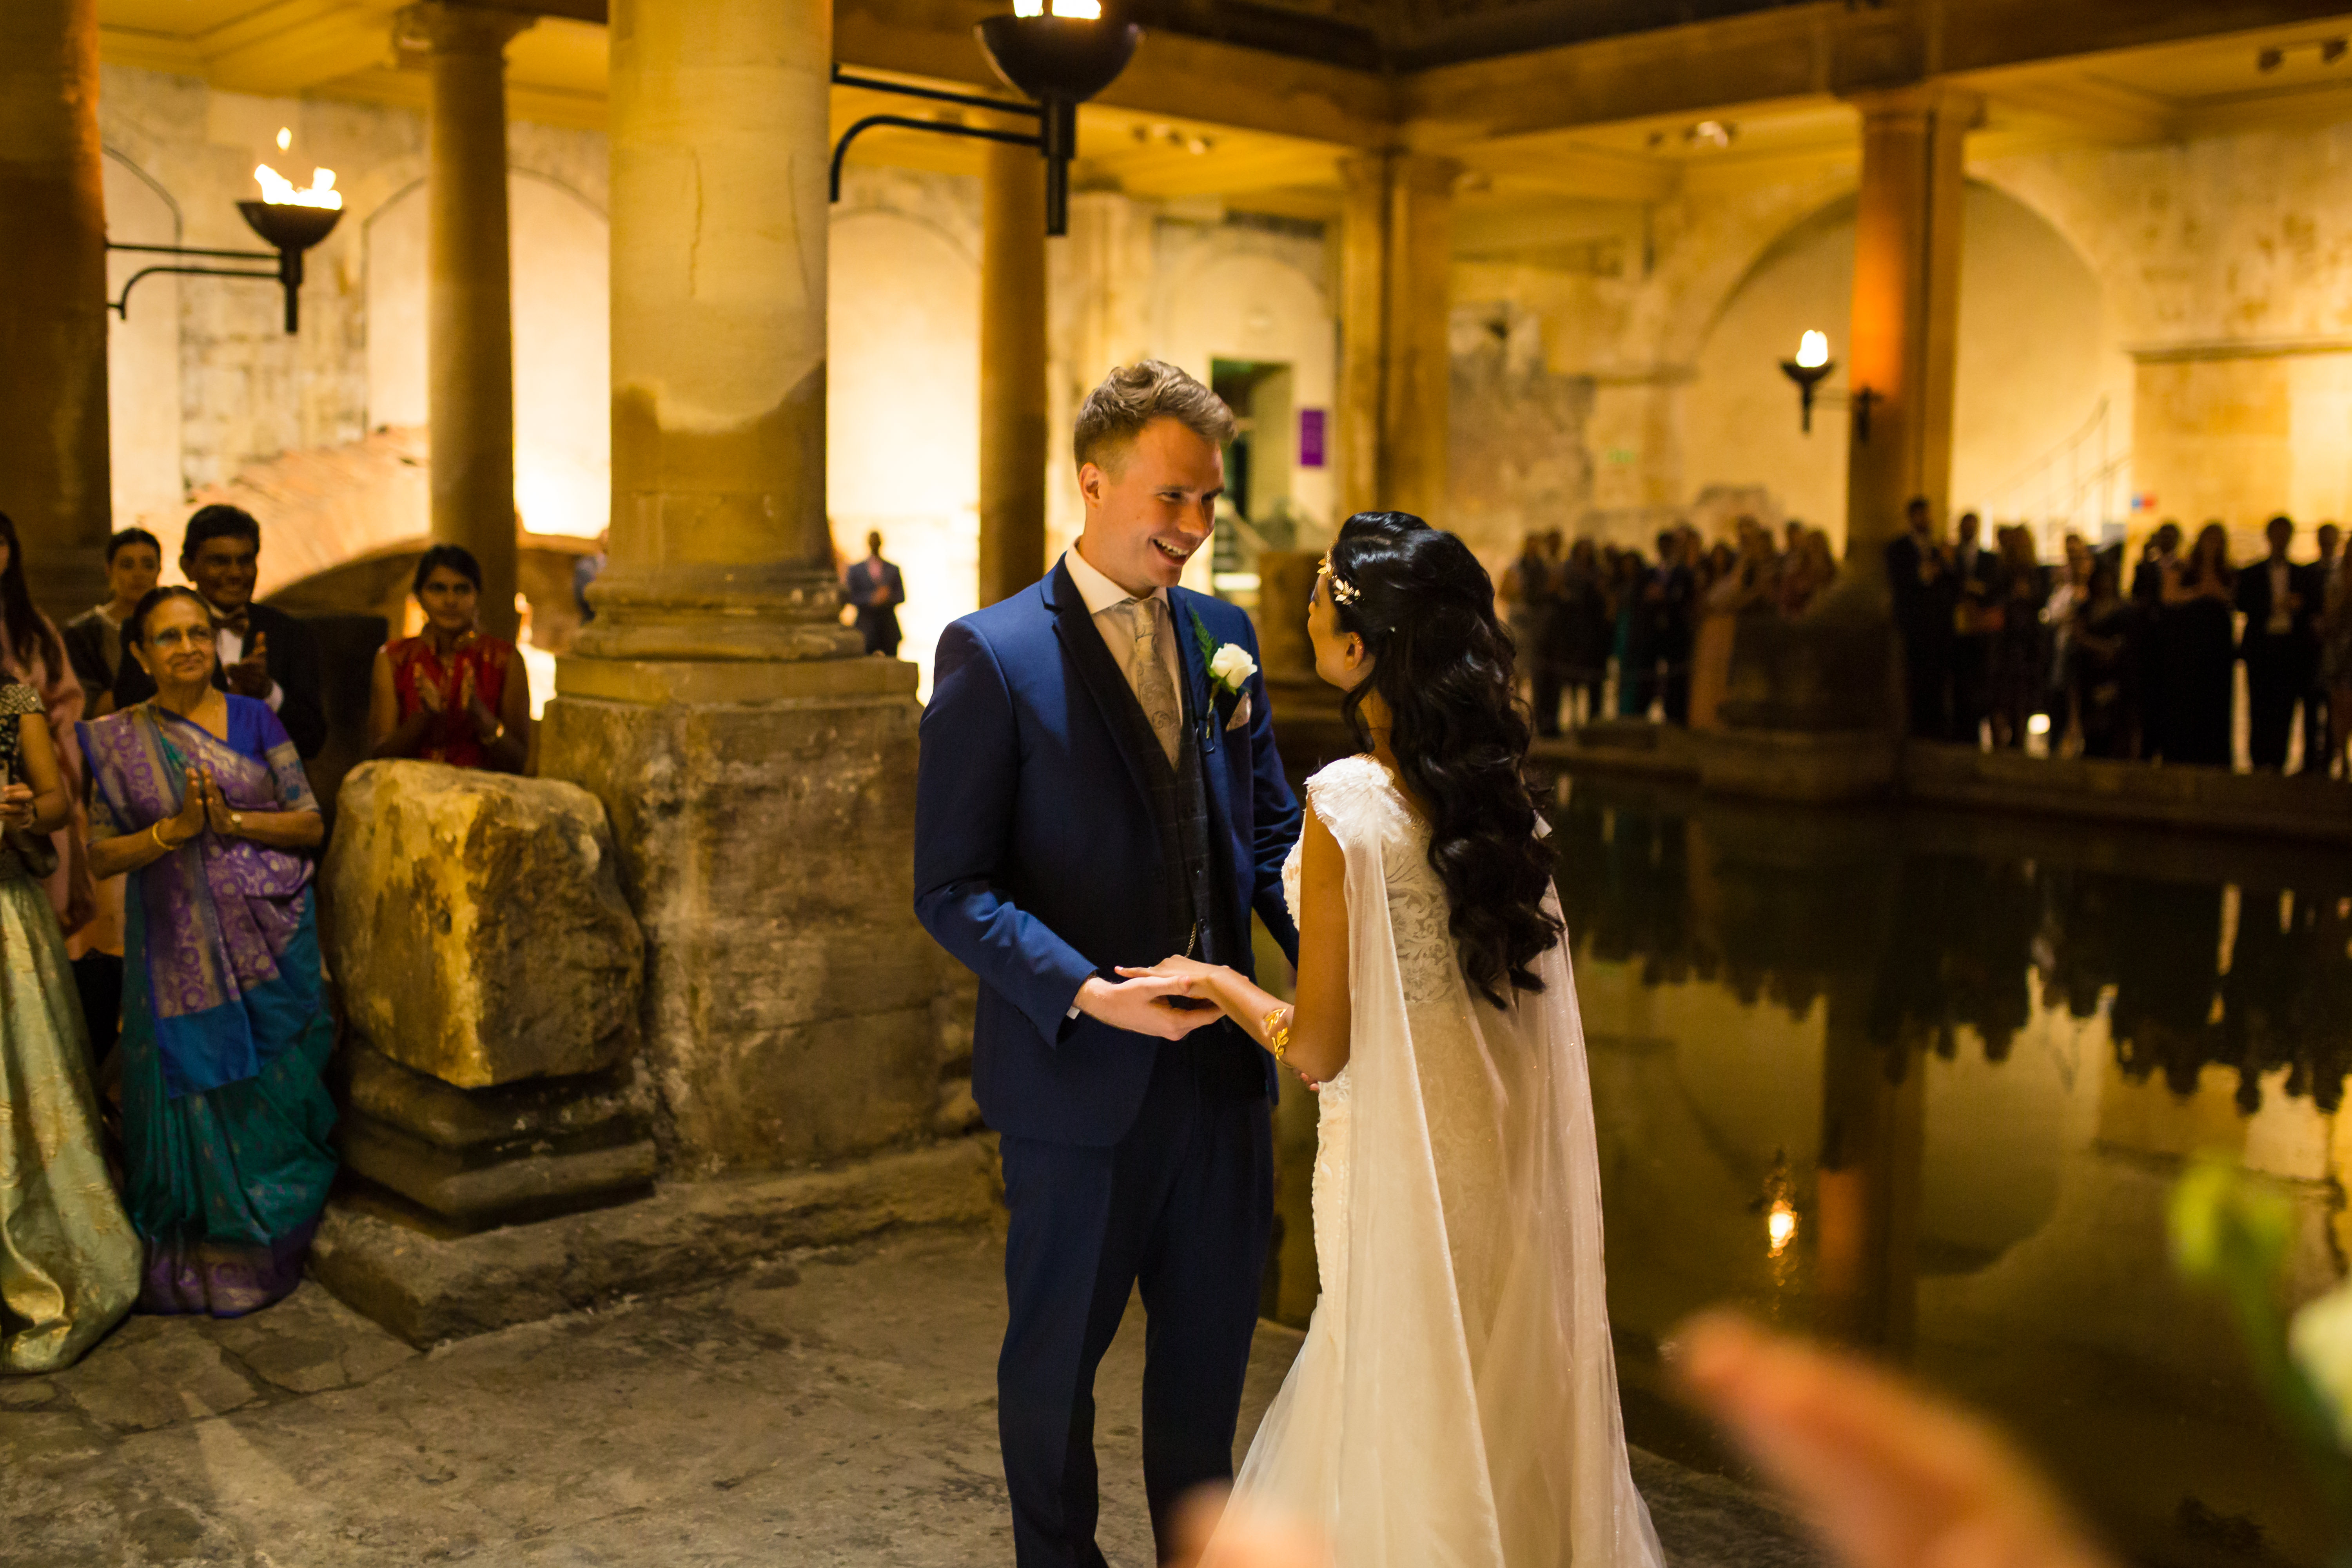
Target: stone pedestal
469	332
53	418
1012	372
490	976
767	843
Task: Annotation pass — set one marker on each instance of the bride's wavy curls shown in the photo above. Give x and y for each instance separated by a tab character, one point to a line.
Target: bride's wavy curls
1425	610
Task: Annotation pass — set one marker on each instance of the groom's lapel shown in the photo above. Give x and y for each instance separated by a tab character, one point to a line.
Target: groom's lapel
1099	674
1202	698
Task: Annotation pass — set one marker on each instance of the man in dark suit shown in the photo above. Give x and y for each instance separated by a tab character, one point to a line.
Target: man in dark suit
2275	596
876	590
264	653
1672	597
2148	655
1974	593
1091	796
1920	577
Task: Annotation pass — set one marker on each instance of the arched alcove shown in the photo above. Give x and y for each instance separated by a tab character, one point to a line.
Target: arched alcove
563	363
902	416
2037	356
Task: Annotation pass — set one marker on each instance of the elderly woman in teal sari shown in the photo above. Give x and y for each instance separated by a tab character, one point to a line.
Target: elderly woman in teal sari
69	1262
199	796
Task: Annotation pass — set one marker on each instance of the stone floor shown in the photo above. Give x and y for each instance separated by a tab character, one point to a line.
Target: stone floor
834	1409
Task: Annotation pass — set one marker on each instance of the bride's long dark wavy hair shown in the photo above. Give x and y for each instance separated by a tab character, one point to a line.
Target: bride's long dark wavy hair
1442	662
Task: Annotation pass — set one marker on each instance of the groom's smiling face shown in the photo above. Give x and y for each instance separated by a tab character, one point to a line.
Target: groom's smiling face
1151	506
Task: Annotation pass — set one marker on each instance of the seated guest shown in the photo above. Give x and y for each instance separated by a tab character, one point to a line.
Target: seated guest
134	560
199	795
450	694
264	653
69	1268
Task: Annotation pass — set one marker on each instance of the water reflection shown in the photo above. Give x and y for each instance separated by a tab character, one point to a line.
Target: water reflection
1922	1082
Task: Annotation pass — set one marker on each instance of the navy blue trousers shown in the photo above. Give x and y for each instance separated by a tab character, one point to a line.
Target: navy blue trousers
1182	1206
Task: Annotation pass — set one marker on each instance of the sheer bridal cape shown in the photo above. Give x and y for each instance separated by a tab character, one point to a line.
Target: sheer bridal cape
1455	1400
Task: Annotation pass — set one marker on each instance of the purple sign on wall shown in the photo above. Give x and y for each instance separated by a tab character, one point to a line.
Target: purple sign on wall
1310	438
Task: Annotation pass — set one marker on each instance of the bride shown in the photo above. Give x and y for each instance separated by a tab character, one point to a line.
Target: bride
1455	1400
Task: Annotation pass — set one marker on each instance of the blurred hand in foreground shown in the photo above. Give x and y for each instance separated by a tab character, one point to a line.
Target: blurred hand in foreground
1889	1478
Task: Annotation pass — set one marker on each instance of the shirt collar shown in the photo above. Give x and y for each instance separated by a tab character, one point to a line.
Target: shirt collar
1098	592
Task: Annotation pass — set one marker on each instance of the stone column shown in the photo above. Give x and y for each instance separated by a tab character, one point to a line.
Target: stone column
469	329
1395	365
1904	343
53	425
1011	371
759	777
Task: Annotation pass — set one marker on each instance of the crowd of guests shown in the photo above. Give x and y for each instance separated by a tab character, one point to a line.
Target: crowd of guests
165	1028
1592	621
1997	643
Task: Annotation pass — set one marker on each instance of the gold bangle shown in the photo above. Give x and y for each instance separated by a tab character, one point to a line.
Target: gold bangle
1277	1040
155	831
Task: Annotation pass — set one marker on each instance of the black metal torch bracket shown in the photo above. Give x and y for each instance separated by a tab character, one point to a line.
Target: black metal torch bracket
292	229
1055	148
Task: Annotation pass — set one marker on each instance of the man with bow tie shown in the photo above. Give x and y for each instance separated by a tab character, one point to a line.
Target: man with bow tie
264	653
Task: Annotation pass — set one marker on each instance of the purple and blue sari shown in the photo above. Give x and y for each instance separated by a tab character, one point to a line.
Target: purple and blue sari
226	1029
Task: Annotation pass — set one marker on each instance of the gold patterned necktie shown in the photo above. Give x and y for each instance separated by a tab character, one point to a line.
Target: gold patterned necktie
1152	686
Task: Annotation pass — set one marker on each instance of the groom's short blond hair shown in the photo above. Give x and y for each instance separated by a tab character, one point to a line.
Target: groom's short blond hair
1131	397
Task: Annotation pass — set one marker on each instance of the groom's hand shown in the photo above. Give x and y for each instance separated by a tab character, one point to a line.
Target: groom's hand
1147	1005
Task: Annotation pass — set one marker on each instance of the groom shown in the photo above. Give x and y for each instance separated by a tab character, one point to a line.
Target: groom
1092	795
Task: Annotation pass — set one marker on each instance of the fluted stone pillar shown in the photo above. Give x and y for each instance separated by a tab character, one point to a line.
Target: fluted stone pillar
1903	342
759	777
469	325
1011	371
53	422
1395	365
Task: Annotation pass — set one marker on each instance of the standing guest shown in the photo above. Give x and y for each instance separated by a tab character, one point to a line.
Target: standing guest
70	1265
134	560
1547	654
2101	665
1521	604
2157	560
1584	631
450	694
1919	579
2199	596
2019	675
584	571
1807	573
1976	626
876	590
2274	596
2318	721
1633	645
1745	584
1673	598
199	795
32	651
264	653
2061	616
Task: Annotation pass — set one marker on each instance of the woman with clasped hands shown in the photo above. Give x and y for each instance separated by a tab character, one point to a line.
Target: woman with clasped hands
225	1033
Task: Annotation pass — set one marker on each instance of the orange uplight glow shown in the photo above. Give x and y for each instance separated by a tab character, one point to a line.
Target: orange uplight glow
279	192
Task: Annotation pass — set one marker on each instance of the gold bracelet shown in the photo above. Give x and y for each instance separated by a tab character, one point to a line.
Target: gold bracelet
155	831
1277	1040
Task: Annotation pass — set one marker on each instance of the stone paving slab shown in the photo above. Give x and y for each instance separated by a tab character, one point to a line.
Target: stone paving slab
834	1409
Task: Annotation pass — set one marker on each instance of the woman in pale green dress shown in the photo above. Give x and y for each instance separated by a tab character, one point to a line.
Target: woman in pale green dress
69	1258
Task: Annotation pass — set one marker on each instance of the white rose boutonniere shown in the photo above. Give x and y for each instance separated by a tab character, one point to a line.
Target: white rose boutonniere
1230	668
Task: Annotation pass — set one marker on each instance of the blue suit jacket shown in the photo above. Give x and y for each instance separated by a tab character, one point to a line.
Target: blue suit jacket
1037	860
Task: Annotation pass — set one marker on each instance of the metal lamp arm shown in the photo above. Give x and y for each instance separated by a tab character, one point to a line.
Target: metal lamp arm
841	149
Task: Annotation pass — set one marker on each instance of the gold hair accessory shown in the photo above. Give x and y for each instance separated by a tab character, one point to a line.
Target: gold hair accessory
1277	1040
1343	591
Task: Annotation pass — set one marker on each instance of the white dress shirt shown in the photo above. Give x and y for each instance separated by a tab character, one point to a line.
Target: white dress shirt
1103	600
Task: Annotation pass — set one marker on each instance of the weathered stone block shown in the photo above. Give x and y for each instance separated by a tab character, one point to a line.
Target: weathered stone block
768	846
478	926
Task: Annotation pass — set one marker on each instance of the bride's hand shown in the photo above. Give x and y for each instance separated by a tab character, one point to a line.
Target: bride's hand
1197	977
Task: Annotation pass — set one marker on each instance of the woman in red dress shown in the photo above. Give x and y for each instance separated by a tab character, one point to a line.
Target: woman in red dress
450	694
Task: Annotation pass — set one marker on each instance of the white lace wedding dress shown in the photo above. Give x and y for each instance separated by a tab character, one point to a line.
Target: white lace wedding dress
1456	1401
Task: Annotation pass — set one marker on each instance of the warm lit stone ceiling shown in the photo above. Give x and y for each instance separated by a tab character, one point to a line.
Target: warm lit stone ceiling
1542	100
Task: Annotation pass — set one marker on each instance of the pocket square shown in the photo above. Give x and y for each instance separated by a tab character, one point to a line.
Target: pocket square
1241	713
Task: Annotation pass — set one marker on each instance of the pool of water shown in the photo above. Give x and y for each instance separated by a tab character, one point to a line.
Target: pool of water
1922	1082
